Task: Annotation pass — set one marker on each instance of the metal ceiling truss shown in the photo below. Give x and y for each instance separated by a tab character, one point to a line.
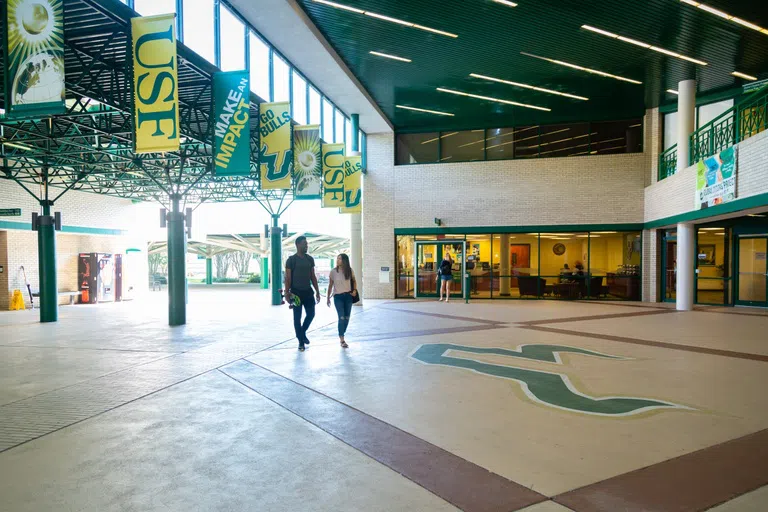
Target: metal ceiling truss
90	147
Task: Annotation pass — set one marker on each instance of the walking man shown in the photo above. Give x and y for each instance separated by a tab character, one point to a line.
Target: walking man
299	279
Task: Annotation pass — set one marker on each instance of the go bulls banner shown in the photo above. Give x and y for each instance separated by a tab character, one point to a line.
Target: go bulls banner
353	185
232	130
333	175
276	156
155	84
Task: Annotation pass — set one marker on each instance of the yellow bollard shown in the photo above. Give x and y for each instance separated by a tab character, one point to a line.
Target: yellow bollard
17	301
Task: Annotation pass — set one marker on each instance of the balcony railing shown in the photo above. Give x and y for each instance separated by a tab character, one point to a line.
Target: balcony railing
668	163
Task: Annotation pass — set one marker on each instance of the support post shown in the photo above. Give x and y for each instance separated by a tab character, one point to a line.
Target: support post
356	221
686	252
276	241
46	253
686	121
504	284
264	272
208	271
177	252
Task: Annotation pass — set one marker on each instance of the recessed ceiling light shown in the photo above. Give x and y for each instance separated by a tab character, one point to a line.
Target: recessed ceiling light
424	110
506	2
388	56
726	16
526	86
581	68
672	91
744	76
642	44
385	18
497	100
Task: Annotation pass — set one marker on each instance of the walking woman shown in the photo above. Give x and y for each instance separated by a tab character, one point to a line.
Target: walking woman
446	276
344	290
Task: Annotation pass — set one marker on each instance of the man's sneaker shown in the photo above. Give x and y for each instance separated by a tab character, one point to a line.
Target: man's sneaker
306	340
301	346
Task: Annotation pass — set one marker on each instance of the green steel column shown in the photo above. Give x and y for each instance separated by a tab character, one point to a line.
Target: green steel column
355	120
264	272
276	240
46	253
177	250
208	270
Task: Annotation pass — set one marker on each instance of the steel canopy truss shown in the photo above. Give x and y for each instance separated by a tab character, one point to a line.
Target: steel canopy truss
90	147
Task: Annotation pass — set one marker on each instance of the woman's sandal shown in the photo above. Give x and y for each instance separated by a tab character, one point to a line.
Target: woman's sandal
344	344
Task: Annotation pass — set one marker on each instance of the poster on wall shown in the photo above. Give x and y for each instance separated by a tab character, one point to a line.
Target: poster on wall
232	128
333	175
353	185
276	155
307	167
716	179
155	84
34	70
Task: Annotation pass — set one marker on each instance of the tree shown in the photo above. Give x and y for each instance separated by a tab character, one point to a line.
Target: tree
222	262
241	260
158	262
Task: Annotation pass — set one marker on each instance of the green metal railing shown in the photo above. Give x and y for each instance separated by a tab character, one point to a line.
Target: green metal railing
668	163
740	122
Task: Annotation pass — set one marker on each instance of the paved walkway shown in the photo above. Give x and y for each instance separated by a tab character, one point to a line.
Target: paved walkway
529	405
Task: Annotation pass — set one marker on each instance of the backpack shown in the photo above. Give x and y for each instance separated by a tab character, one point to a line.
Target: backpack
445	268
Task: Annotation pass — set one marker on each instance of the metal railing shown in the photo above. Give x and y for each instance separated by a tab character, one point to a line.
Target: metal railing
668	162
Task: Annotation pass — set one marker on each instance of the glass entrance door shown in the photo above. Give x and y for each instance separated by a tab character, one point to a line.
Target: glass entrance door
669	264
428	256
753	271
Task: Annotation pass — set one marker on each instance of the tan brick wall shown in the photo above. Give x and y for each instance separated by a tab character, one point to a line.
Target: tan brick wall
650	265
5	300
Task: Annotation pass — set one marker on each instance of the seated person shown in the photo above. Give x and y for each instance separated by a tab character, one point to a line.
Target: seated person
579	269
566	273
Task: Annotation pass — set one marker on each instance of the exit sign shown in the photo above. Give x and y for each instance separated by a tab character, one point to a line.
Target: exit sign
10	212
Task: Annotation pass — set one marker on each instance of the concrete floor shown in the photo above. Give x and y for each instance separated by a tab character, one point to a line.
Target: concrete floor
539	406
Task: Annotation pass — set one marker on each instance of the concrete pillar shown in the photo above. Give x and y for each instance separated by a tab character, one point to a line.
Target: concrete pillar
276	254
177	265
686	120
356	221
208	270
504	283
686	252
46	253
264	262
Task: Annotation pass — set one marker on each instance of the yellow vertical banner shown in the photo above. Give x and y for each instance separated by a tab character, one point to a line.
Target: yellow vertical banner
353	185
155	84
333	175
276	155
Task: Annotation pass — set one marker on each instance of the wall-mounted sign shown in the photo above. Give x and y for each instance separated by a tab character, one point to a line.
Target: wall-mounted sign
10	212
716	179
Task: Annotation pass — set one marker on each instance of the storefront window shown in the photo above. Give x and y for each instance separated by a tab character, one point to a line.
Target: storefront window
515	266
713	283
417	148
614	265
479	261
564	264
405	274
462	146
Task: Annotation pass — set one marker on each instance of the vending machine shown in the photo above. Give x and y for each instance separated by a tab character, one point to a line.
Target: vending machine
87	269
105	280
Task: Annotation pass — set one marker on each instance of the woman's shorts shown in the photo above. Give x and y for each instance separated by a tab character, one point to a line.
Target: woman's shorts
446	278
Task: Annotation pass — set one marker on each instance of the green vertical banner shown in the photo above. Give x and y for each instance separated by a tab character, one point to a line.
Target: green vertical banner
232	124
34	67
333	175
353	185
307	162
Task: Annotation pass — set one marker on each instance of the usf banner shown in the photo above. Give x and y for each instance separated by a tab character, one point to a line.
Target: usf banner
232	129
307	168
275	157
34	67
716	179
333	175
155	84
353	185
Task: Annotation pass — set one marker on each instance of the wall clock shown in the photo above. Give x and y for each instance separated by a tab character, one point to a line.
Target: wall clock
558	249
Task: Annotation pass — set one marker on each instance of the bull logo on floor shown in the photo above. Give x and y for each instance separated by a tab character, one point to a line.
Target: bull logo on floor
548	388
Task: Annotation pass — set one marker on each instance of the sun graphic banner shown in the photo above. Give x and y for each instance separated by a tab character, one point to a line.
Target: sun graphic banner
716	179
34	68
333	175
307	157
276	156
155	84
353	185
232	128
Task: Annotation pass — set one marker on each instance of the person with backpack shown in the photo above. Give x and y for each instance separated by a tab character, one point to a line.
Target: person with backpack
344	288
299	279
446	276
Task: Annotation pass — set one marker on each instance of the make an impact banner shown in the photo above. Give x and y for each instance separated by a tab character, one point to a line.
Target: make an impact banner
353	185
155	84
276	156
333	175
716	179
34	68
232	128
307	158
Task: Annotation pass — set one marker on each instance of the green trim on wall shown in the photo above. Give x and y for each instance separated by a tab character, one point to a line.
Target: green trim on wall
483	230
82	230
721	209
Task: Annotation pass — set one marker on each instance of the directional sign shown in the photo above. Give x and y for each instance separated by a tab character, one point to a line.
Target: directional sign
10	212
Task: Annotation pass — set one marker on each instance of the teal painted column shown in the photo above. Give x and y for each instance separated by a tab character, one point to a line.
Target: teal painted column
276	241
264	272
177	250
208	270
46	254
355	122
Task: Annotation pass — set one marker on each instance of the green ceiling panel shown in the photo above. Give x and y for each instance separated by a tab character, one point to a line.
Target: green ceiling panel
492	35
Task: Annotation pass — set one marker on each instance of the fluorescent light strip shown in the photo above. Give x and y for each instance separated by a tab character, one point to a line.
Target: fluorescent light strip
442	137
642	44
726	16
581	68
437	112
506	2
497	100
672	91
744	76
526	86
388	56
385	18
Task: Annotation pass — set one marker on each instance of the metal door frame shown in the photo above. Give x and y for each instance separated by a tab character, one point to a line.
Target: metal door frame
736	260
417	243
